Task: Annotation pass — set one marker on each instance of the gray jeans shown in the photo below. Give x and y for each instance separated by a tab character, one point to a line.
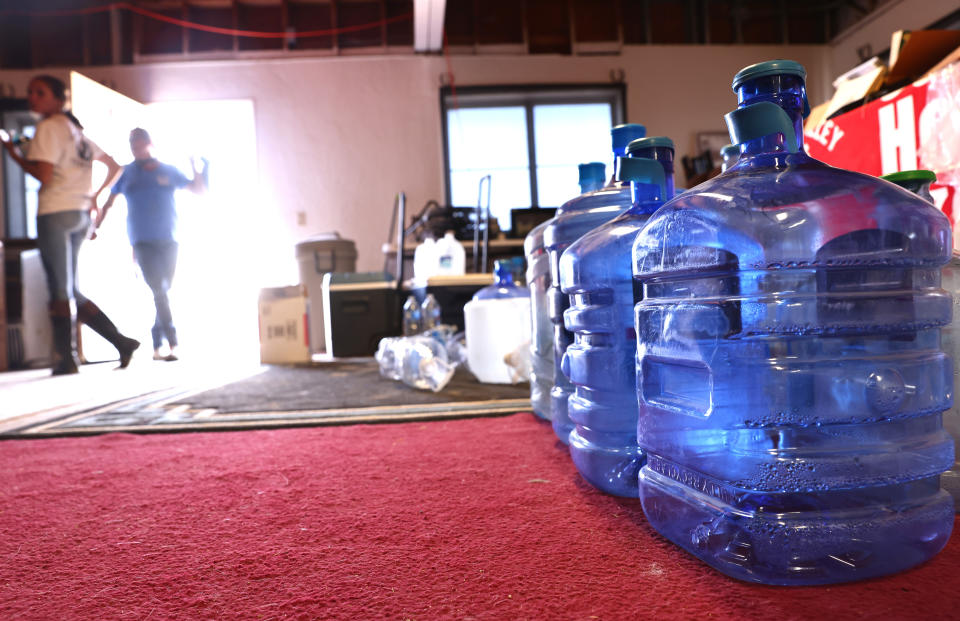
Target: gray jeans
59	236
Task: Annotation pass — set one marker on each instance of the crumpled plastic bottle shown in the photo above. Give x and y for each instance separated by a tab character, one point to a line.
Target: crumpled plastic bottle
425	361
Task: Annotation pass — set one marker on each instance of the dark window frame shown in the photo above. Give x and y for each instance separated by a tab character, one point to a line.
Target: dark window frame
527	96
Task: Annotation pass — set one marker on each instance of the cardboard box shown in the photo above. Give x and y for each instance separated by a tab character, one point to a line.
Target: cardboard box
284	326
912	54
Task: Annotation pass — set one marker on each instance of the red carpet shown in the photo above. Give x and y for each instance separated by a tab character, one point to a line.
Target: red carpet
478	519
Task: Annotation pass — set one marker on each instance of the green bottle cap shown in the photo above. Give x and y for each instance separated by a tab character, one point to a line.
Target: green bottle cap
906	176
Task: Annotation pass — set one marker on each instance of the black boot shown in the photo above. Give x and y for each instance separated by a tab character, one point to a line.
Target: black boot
90	314
64	338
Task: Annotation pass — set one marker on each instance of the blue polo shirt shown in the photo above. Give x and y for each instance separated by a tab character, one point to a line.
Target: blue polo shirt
151	209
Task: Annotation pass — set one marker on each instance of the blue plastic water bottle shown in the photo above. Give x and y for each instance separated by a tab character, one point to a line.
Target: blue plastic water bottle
790	375
601	363
538	281
592	176
574	218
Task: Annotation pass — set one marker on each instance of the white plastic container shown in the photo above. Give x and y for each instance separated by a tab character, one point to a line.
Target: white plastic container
494	329
450	256
425	260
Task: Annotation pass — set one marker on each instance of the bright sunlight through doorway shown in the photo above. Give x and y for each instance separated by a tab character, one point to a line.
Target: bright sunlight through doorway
223	241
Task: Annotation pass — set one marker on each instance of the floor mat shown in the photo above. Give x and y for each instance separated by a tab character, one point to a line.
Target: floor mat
323	394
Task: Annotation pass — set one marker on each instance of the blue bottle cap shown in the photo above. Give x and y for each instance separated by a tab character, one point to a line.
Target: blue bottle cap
624	134
644	170
770	67
592	171
649	143
758	120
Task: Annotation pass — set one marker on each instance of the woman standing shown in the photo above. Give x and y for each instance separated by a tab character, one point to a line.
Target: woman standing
61	158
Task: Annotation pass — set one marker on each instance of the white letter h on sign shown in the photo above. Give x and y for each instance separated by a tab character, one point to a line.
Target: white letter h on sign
898	133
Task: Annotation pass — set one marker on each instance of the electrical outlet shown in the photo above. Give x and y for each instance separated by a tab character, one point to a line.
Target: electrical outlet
301	218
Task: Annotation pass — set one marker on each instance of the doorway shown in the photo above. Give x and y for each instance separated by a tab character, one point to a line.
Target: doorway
219	273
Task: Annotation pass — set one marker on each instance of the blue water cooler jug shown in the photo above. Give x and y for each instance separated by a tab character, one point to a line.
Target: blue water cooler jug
538	279
918	182
574	218
790	375
601	363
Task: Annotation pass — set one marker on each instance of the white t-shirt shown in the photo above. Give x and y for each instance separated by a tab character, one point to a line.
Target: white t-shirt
61	143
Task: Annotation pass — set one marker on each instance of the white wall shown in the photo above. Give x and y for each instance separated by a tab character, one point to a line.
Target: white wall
338	137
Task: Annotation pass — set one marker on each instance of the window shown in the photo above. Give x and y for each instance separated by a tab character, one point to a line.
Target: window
529	140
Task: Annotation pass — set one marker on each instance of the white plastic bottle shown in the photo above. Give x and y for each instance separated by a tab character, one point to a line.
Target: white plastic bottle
424	260
451	257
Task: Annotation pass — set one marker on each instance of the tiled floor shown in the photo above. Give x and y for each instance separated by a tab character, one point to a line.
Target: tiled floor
32	396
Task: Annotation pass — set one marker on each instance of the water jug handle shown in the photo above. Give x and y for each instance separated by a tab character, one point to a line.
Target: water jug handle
644	170
758	120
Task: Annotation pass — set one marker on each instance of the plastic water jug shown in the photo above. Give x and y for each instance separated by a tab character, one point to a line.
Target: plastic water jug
538	281
497	323
601	363
425	259
790	376
574	218
541	330
450	255
918	182
592	176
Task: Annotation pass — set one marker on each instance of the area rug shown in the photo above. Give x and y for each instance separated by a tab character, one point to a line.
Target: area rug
288	396
481	518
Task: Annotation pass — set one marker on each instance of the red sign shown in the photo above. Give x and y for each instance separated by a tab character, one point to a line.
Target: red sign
915	127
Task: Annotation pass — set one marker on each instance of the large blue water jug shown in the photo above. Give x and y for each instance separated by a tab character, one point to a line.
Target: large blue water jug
596	273
790	375
574	218
918	182
538	281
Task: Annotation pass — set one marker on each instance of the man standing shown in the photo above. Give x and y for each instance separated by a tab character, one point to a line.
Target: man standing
148	186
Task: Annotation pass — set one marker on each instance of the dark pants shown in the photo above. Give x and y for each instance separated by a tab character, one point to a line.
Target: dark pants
158	260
